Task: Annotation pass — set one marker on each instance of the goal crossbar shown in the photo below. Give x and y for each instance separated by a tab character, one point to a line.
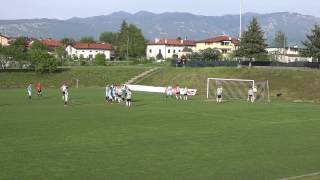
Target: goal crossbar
223	79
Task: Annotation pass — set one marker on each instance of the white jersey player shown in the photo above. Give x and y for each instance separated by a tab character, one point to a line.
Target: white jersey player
185	94
169	91
66	96
128	98
29	89
178	93
219	94
250	95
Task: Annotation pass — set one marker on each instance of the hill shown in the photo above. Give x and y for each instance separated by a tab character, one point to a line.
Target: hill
169	24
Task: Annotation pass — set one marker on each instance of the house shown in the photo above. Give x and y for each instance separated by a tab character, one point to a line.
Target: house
167	48
226	44
89	50
52	44
287	54
4	41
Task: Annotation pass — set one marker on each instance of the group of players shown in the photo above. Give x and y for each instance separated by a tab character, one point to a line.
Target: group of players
39	89
118	93
113	93
251	94
181	94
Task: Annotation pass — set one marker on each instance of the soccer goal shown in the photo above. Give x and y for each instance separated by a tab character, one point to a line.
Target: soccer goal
237	89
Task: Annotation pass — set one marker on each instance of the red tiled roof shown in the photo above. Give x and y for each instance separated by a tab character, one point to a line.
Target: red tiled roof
220	39
51	42
172	42
4	36
92	46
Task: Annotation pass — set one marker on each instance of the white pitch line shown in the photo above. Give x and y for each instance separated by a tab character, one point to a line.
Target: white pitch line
302	176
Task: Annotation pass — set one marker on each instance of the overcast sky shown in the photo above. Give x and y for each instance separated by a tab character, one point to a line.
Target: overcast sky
64	9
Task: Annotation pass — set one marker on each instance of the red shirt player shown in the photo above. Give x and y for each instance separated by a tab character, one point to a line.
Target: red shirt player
39	88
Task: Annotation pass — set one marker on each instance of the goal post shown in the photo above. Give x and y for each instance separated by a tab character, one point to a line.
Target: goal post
237	89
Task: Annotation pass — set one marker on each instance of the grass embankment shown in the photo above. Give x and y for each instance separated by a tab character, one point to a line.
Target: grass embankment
88	77
155	139
293	84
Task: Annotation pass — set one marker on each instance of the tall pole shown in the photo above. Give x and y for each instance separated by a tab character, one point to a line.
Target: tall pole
240	32
128	48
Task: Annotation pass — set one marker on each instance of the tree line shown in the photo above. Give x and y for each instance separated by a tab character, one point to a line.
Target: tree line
130	42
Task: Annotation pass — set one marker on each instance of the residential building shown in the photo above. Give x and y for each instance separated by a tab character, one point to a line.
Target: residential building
89	50
226	44
4	41
52	44
167	48
287	55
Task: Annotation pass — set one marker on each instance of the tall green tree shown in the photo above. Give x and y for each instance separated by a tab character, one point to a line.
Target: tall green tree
87	39
67	41
41	59
109	37
123	41
252	44
312	44
130	41
280	40
136	42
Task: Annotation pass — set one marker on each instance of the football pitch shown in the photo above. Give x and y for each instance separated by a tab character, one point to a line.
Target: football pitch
157	138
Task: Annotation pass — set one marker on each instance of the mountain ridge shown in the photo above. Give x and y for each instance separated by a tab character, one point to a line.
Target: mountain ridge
162	25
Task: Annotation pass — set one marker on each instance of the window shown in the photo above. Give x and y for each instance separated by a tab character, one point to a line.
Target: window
225	43
150	50
82	50
159	50
224	51
174	51
90	51
179	50
168	51
90	56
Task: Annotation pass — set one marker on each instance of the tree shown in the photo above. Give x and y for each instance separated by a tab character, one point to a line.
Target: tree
136	42
130	41
159	56
280	40
109	37
312	44
252	44
100	59
187	49
123	41
41	59
87	39
67	41
60	52
210	54
16	53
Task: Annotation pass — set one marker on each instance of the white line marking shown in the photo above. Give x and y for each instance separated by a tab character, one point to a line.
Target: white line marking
302	176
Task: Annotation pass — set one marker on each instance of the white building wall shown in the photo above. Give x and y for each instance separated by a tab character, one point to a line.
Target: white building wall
167	51
87	53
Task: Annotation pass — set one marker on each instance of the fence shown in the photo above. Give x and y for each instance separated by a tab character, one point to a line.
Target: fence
199	63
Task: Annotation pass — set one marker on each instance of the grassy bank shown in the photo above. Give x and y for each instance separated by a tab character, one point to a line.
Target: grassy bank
88	76
293	84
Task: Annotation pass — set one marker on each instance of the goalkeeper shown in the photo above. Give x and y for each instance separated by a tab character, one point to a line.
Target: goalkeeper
219	94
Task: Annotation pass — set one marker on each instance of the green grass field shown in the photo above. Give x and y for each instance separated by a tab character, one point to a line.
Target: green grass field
155	139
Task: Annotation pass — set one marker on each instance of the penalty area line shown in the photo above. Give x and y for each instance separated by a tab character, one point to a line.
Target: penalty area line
302	176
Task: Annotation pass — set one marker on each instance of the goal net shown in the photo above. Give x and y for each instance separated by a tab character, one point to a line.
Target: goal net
237	89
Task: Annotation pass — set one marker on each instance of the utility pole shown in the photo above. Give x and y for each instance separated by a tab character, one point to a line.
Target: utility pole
128	48
240	32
